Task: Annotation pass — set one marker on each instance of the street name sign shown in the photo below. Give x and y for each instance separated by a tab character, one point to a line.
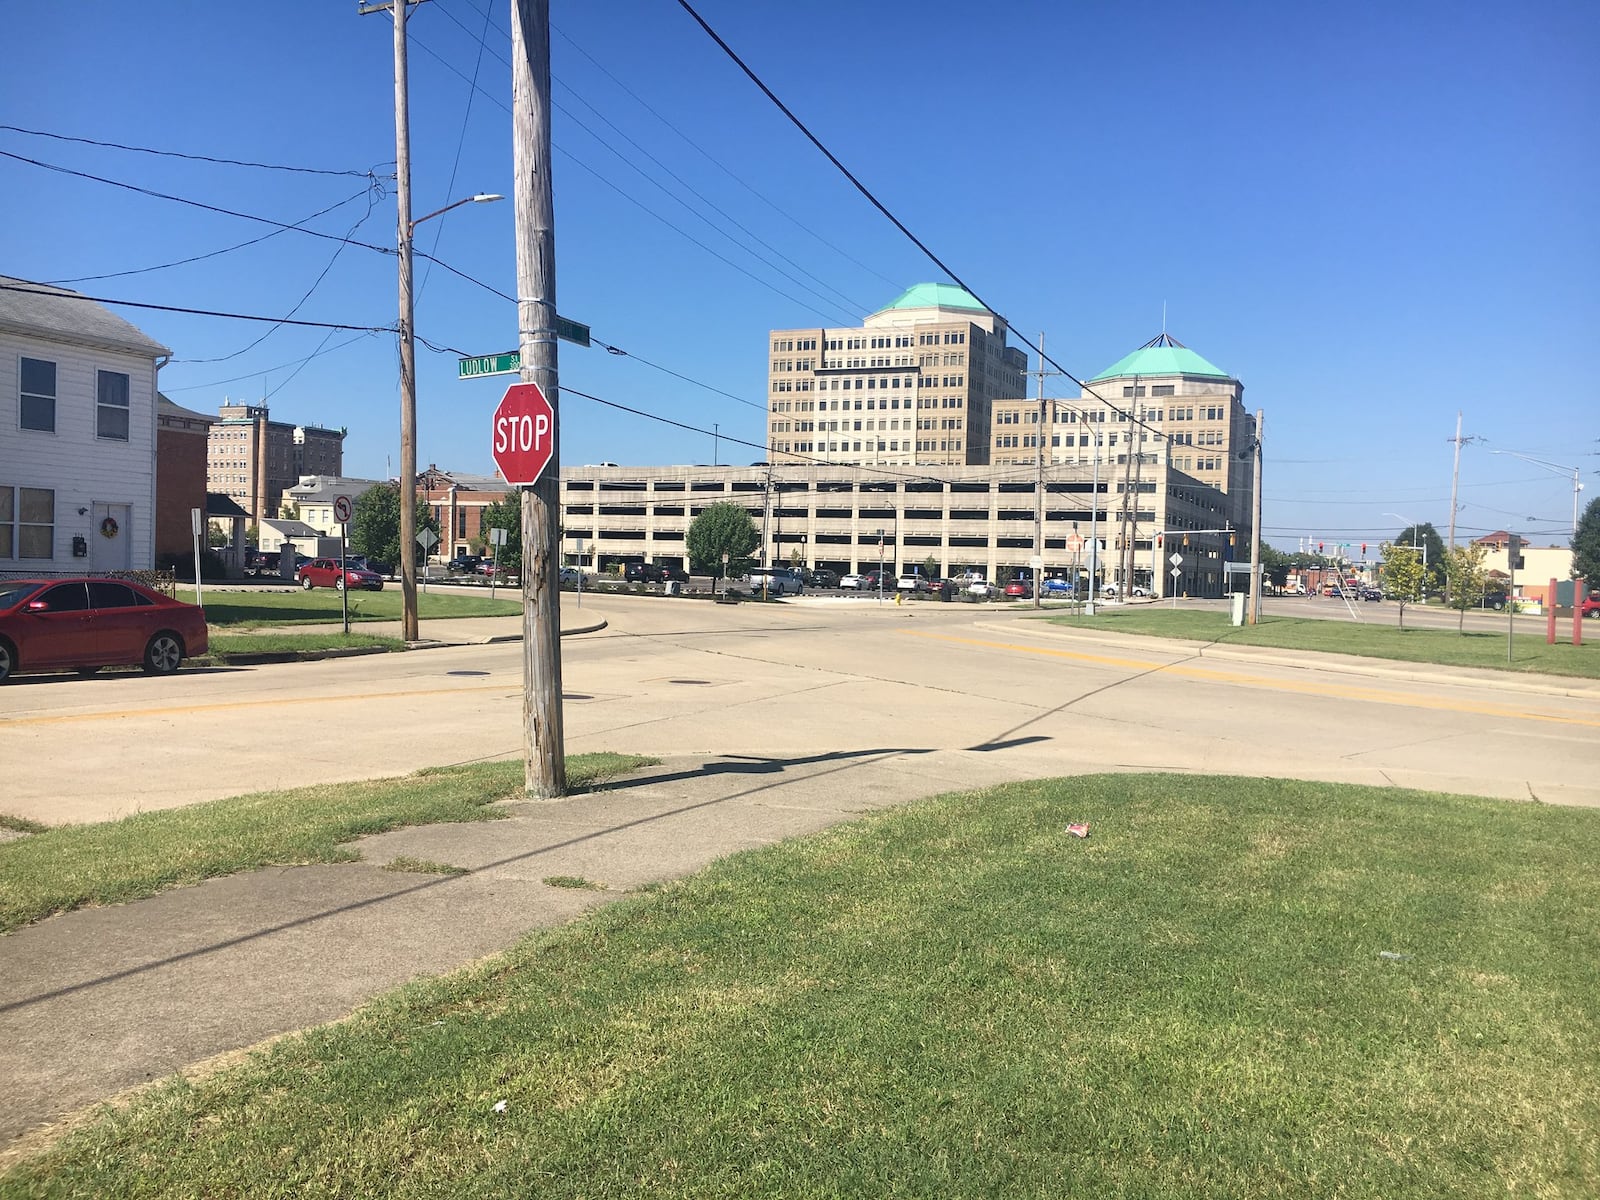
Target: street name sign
510	363
524	434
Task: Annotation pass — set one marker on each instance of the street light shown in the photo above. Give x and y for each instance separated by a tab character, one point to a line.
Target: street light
1414	533
1577	484
408	404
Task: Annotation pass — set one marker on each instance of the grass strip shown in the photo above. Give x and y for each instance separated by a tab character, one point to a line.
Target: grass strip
112	862
960	999
226	645
1482	645
321	606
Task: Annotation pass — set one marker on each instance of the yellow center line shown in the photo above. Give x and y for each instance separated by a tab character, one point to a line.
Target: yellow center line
232	705
1336	690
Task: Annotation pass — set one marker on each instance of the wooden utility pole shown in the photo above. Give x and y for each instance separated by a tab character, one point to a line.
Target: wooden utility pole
544	736
1038	490
1255	524
408	349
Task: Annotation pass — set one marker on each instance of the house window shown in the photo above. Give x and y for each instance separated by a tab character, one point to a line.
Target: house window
27	522
38	395
111	420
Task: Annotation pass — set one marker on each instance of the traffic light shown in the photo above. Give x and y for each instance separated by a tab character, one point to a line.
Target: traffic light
1158	541
1319	547
1363	549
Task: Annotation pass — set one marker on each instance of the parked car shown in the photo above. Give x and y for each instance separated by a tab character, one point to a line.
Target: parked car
1019	587
642	572
911	583
852	582
821	577
776	580
978	586
872	580
1059	587
489	567
86	624
326	572
1591	605
464	564
569	577
1371	593
261	562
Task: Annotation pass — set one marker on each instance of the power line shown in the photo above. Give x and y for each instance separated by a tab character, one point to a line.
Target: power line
882	208
230	162
195	312
182	262
679	230
299	362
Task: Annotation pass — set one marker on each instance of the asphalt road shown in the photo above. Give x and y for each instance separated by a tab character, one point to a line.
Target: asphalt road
960	696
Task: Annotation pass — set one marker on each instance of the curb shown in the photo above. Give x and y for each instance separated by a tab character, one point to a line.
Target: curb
258	658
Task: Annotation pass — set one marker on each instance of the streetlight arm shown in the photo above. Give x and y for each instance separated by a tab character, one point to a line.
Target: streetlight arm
480	198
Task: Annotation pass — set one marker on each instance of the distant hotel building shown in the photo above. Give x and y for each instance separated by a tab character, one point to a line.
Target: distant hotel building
252	458
912	386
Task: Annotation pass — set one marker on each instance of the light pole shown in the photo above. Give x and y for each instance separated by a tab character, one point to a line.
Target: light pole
1415	532
408	395
1577	484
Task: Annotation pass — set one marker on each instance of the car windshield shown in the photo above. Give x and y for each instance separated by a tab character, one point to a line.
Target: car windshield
16	592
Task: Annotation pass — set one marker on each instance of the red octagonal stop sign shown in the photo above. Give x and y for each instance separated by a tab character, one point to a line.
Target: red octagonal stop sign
524	433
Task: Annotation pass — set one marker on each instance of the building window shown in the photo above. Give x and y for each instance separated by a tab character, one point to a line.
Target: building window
111	417
27	522
38	409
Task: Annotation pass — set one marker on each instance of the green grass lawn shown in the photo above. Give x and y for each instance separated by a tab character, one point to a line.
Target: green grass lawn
959	999
1482	645
225	644
111	862
321	605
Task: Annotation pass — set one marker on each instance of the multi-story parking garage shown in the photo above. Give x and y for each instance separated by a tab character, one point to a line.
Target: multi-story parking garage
963	518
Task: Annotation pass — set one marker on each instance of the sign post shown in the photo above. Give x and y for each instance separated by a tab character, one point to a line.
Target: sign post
497	538
341	513
1176	560
197	520
427	540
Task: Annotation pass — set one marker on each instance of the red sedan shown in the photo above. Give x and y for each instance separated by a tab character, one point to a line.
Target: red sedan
1019	587
325	572
86	624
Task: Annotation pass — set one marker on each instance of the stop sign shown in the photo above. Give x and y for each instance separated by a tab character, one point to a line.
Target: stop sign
524	433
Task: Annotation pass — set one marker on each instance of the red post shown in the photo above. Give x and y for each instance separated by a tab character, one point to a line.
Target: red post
1550	614
1580	590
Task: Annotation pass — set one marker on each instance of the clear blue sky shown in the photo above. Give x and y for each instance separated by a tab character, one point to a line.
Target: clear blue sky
1374	215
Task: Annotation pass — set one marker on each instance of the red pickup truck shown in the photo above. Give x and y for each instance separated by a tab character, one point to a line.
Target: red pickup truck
325	572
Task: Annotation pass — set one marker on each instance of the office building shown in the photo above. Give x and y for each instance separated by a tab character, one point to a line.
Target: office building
252	458
911	386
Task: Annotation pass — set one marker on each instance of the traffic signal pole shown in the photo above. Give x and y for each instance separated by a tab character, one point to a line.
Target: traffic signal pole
544	734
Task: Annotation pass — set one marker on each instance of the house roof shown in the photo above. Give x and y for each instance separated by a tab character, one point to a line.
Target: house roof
62	315
221	505
935	295
292	529
1161	355
166	408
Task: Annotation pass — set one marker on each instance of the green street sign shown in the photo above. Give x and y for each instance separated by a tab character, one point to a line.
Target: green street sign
510	362
571	331
489	364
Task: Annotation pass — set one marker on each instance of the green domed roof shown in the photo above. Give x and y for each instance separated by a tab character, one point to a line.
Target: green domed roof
935	295
1162	355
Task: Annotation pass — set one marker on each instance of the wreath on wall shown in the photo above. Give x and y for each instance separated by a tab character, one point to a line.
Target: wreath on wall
108	527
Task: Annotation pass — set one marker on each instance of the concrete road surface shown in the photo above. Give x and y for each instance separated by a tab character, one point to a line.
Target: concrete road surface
962	695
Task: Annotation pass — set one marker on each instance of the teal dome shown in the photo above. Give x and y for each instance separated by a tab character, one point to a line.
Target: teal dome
935	295
1162	355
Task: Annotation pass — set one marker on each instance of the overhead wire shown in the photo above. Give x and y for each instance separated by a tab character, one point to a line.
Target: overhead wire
231	162
195	387
196	312
679	230
894	220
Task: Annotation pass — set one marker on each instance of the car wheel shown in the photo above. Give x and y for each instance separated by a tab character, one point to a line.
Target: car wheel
1498	605
305	582
338	585
163	654
88	670
8	660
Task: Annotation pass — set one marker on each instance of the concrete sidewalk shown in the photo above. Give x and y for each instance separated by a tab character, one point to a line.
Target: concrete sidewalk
576	619
101	1000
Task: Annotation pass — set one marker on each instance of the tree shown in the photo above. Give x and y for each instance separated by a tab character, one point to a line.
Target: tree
930	567
1467	577
797	558
289	511
375	524
1586	546
507	514
722	528
216	536
1403	576
1275	565
1425	539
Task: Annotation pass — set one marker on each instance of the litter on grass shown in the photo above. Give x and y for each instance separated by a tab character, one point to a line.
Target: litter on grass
1393	955
500	1106
1078	830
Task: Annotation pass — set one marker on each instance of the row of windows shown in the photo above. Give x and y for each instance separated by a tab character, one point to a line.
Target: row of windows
785	345
37	395
27	522
846	425
950	338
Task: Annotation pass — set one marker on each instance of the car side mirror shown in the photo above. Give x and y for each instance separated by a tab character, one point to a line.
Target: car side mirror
38	606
